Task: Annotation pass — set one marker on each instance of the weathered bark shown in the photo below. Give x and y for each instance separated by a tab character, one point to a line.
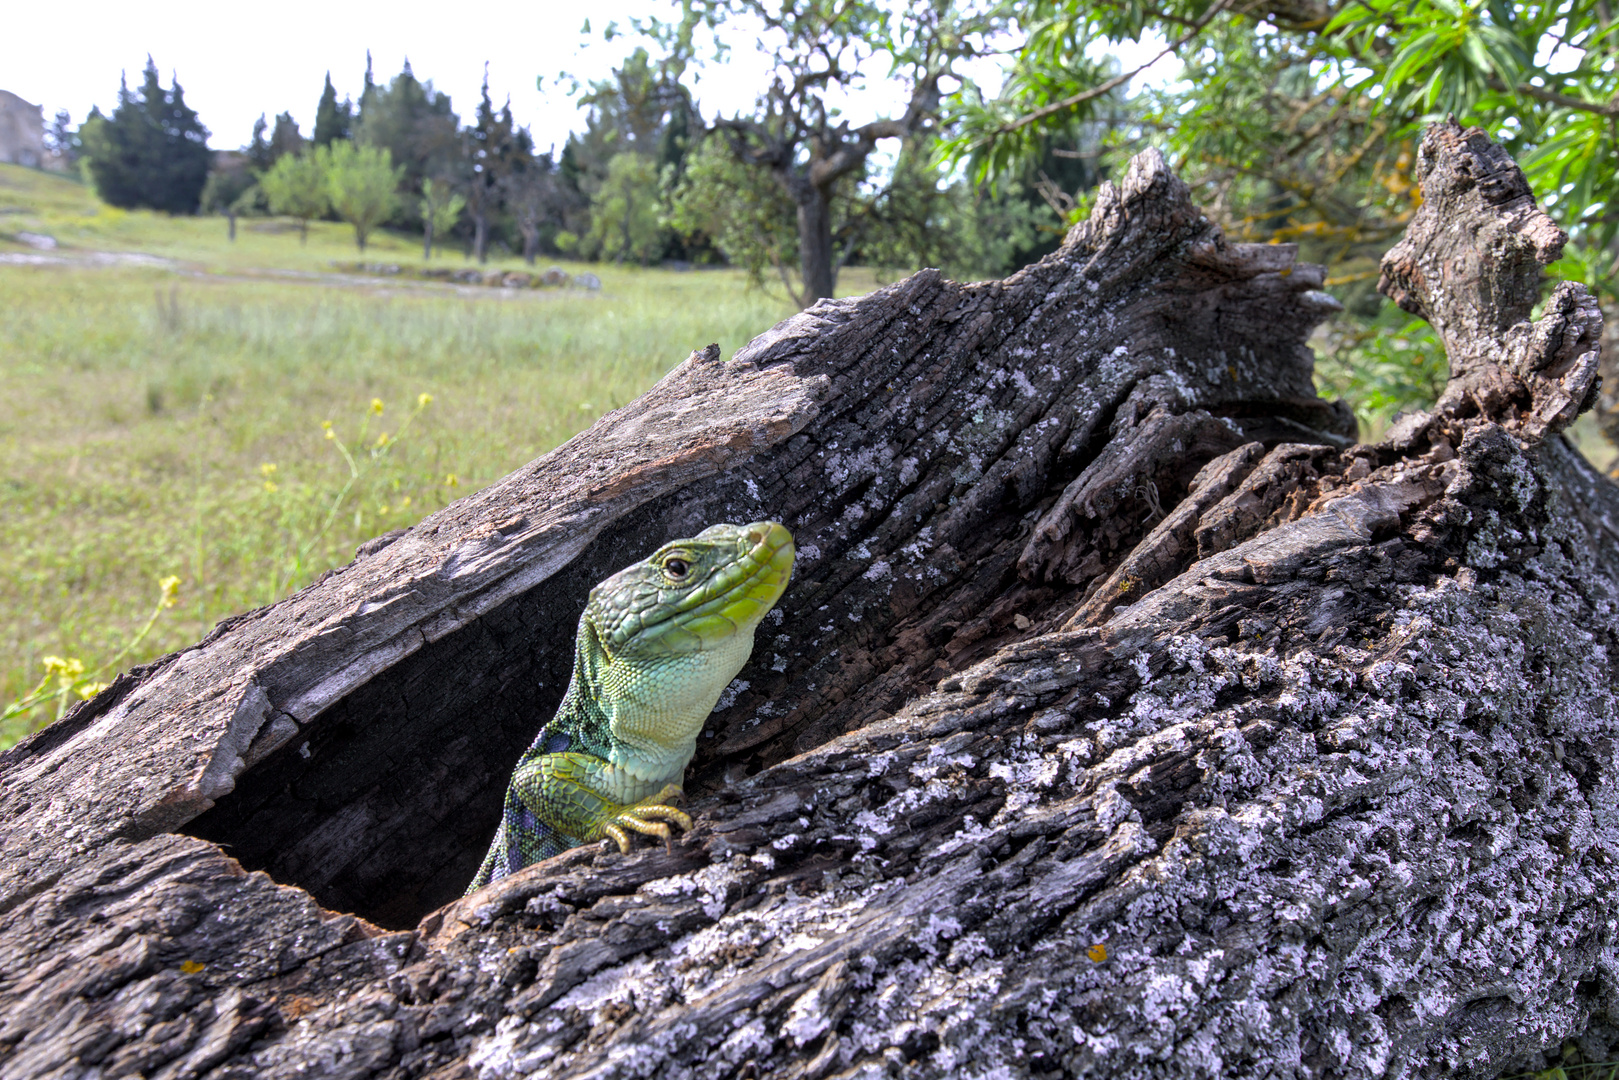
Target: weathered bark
1122	719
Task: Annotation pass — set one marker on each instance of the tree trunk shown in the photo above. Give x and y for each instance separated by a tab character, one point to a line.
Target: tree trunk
1122	719
231	216
427	240
480	235
814	241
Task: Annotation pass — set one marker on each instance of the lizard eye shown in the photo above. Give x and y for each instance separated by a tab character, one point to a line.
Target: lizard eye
676	568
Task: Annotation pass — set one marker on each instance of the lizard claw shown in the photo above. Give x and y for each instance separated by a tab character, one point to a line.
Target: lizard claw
648	817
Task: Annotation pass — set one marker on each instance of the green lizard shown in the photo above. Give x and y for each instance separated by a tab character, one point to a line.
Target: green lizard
656	645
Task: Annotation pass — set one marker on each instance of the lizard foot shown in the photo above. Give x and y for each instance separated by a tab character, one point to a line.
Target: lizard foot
647	817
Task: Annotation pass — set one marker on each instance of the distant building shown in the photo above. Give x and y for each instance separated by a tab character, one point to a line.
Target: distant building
22	131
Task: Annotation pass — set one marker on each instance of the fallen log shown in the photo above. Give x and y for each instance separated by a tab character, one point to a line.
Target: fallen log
1124	717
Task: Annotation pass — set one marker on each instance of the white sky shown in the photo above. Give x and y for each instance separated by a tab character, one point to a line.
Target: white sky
236	62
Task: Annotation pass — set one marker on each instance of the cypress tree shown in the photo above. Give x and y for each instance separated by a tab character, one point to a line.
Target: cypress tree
332	121
285	138
258	151
152	151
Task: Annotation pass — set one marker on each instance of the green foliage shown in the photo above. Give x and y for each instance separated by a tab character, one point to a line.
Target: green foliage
490	147
1382	367
332	121
441	207
923	217
362	183
741	210
229	191
626	213
414	123
641	109
151	152
297	187
285	138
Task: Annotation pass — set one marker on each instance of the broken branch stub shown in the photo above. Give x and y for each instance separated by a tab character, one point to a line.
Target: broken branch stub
1471	264
1122	720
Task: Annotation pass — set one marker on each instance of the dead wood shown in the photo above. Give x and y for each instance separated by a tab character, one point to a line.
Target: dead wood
1123	718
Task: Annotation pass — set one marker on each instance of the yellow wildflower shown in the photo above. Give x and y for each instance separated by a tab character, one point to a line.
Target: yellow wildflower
451	480
171	590
423	400
376	406
65	670
382	440
90	690
267	469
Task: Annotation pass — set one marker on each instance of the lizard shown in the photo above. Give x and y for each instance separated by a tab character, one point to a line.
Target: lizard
657	644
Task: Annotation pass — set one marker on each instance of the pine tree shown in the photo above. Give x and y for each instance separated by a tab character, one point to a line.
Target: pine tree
258	151
332	121
413	121
152	151
489	147
286	138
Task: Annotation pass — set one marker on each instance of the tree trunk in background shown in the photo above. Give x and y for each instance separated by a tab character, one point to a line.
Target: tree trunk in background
480	235
1123	719
814	240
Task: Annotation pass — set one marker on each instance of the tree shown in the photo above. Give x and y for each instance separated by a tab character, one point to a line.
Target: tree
441	209
821	49
298	186
285	138
531	193
742	211
925	217
258	149
414	123
362	183
231	189
626	219
1123	719
151	152
641	109
332	121
62	140
488	148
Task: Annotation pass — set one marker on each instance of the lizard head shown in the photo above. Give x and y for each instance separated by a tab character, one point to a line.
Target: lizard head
693	595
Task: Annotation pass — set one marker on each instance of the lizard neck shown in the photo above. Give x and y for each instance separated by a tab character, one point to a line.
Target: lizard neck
643	715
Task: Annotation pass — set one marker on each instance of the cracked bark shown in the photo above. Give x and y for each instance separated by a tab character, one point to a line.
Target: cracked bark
1123	719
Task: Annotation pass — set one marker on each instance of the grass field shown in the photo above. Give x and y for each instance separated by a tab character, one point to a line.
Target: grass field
170	418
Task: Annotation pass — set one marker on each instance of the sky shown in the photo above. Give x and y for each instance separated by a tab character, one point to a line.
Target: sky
235	62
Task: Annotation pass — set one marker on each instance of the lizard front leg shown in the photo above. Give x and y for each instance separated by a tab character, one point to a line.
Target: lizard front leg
574	794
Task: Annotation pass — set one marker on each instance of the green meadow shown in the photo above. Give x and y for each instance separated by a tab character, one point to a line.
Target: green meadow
241	416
